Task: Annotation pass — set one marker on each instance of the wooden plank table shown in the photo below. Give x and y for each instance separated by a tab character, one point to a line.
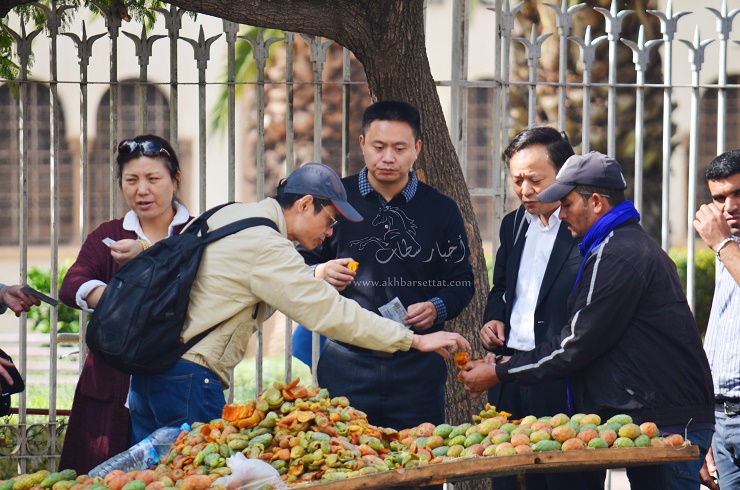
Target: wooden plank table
484	467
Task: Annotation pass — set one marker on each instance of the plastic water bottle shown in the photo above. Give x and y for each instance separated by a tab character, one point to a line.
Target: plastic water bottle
143	454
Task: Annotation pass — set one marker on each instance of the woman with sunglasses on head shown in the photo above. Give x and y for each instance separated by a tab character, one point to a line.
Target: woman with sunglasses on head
148	176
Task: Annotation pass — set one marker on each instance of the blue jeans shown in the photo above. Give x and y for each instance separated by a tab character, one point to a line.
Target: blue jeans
726	447
186	392
674	476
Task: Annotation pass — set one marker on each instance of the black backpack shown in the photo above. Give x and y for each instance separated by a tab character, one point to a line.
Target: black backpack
138	321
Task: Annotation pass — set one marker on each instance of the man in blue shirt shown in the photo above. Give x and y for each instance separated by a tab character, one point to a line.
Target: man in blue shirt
718	224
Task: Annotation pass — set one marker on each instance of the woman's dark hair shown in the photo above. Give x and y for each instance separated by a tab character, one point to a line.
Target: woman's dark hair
724	166
286	199
147	145
556	144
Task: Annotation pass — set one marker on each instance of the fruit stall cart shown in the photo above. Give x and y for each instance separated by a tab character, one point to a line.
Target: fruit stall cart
484	467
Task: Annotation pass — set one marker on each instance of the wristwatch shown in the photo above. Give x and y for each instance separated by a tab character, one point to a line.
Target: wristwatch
722	245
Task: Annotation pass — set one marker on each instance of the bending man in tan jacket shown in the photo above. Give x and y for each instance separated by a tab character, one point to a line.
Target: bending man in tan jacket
243	279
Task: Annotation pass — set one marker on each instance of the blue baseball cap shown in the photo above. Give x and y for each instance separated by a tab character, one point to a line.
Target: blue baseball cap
321	181
593	168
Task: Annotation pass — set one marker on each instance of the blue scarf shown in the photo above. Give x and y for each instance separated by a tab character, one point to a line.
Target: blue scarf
618	215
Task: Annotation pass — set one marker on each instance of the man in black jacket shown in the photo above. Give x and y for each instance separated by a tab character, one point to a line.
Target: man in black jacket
631	343
411	246
536	267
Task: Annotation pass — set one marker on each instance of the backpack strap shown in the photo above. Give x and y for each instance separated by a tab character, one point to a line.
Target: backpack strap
222	232
238	226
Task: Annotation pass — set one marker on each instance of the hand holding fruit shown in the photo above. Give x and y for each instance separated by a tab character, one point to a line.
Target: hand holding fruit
478	377
443	343
337	272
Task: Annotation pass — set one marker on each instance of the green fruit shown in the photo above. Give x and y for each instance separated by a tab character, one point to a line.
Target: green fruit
134	485
499	438
508	427
629	430
488	425
598	443
559	419
434	442
577	418
474	438
440	451
546	445
455	451
471	430
591	418
457	441
539	435
589	426
620	419
623	442
459	430
573	425
50	480
642	441
615	426
443	430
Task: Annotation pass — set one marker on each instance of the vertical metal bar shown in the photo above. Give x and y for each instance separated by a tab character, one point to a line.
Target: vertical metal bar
722	94
612	97
696	58
289	164
173	23
534	47
113	117
54	211
588	55
665	202
724	27
261	58
84	52
613	28
143	106
507	23
640	55
691	205
532	99
231	29
346	92
201	50
564	22
498	190
202	128
459	71
668	25
23	45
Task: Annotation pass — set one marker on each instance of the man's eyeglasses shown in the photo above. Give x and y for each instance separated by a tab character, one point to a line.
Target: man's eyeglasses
147	148
333	221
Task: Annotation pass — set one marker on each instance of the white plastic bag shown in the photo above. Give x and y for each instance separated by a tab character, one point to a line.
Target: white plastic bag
250	474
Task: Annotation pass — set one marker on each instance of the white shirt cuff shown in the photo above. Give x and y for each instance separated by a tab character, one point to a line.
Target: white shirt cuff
84	290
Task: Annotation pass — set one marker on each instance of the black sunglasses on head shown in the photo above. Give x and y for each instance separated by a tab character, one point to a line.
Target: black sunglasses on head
147	148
